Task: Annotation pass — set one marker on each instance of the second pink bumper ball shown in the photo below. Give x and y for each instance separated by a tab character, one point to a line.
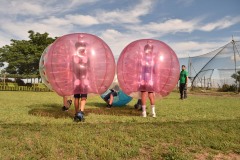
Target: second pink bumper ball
148	65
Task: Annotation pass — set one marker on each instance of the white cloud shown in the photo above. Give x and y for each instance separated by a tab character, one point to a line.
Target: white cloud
4	39
74	3
221	24
119	40
54	21
21	8
130	15
20	29
82	20
193	48
170	26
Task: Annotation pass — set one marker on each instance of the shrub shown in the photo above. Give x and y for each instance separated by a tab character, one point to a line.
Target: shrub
228	88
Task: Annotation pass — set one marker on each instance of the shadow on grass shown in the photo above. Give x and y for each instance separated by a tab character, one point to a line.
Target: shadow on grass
49	110
53	110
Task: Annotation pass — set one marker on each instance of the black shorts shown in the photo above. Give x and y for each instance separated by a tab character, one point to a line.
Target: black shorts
114	94
80	96
147	91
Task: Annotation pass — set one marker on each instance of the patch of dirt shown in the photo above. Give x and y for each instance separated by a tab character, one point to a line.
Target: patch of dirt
219	156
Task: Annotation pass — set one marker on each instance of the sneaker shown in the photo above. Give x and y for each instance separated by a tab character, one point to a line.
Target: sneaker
135	106
144	114
154	115
79	117
69	102
109	106
64	108
139	107
76	119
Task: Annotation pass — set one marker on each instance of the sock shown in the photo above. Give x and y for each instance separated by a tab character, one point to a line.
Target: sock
153	109
144	108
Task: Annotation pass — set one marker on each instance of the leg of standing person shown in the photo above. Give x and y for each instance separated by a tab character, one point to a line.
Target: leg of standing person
181	90
80	114
185	91
144	99
66	103
83	103
152	102
69	101
76	105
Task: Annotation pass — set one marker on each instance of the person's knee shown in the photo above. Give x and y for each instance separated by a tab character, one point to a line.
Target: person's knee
76	99
83	98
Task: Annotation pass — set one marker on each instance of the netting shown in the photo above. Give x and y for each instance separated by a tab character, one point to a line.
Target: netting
215	68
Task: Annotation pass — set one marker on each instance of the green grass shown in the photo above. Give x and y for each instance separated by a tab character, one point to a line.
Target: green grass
32	126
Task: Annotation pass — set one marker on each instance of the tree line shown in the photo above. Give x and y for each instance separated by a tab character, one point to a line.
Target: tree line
22	56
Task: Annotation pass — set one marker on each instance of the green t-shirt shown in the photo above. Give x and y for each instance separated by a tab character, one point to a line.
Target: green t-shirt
183	76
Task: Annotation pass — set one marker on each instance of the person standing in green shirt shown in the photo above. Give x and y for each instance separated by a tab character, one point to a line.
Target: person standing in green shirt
183	83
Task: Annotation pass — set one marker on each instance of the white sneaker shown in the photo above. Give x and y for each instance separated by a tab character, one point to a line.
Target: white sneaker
154	115
144	114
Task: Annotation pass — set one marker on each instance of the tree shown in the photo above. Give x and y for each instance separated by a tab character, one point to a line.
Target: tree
23	56
236	76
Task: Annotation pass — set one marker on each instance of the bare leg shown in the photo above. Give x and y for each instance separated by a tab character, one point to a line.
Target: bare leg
82	103
144	99
111	99
151	98
65	101
152	101
76	105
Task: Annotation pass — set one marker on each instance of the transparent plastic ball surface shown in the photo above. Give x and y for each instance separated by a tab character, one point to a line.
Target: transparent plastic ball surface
78	63
148	65
42	68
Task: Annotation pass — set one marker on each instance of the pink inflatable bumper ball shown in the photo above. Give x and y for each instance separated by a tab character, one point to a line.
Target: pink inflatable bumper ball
148	65
42	68
79	63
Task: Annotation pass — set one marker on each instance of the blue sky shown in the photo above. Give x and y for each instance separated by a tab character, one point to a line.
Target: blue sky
189	27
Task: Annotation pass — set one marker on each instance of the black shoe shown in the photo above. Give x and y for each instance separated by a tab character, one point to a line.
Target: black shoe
109	106
136	106
79	117
64	108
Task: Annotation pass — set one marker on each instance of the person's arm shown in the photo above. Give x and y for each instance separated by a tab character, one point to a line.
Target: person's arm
186	79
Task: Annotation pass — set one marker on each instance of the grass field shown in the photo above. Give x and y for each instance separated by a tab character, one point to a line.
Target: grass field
32	126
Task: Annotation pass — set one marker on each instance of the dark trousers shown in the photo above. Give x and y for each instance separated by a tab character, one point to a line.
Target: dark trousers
183	90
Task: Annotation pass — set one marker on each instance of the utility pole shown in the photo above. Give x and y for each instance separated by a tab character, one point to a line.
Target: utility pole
235	63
